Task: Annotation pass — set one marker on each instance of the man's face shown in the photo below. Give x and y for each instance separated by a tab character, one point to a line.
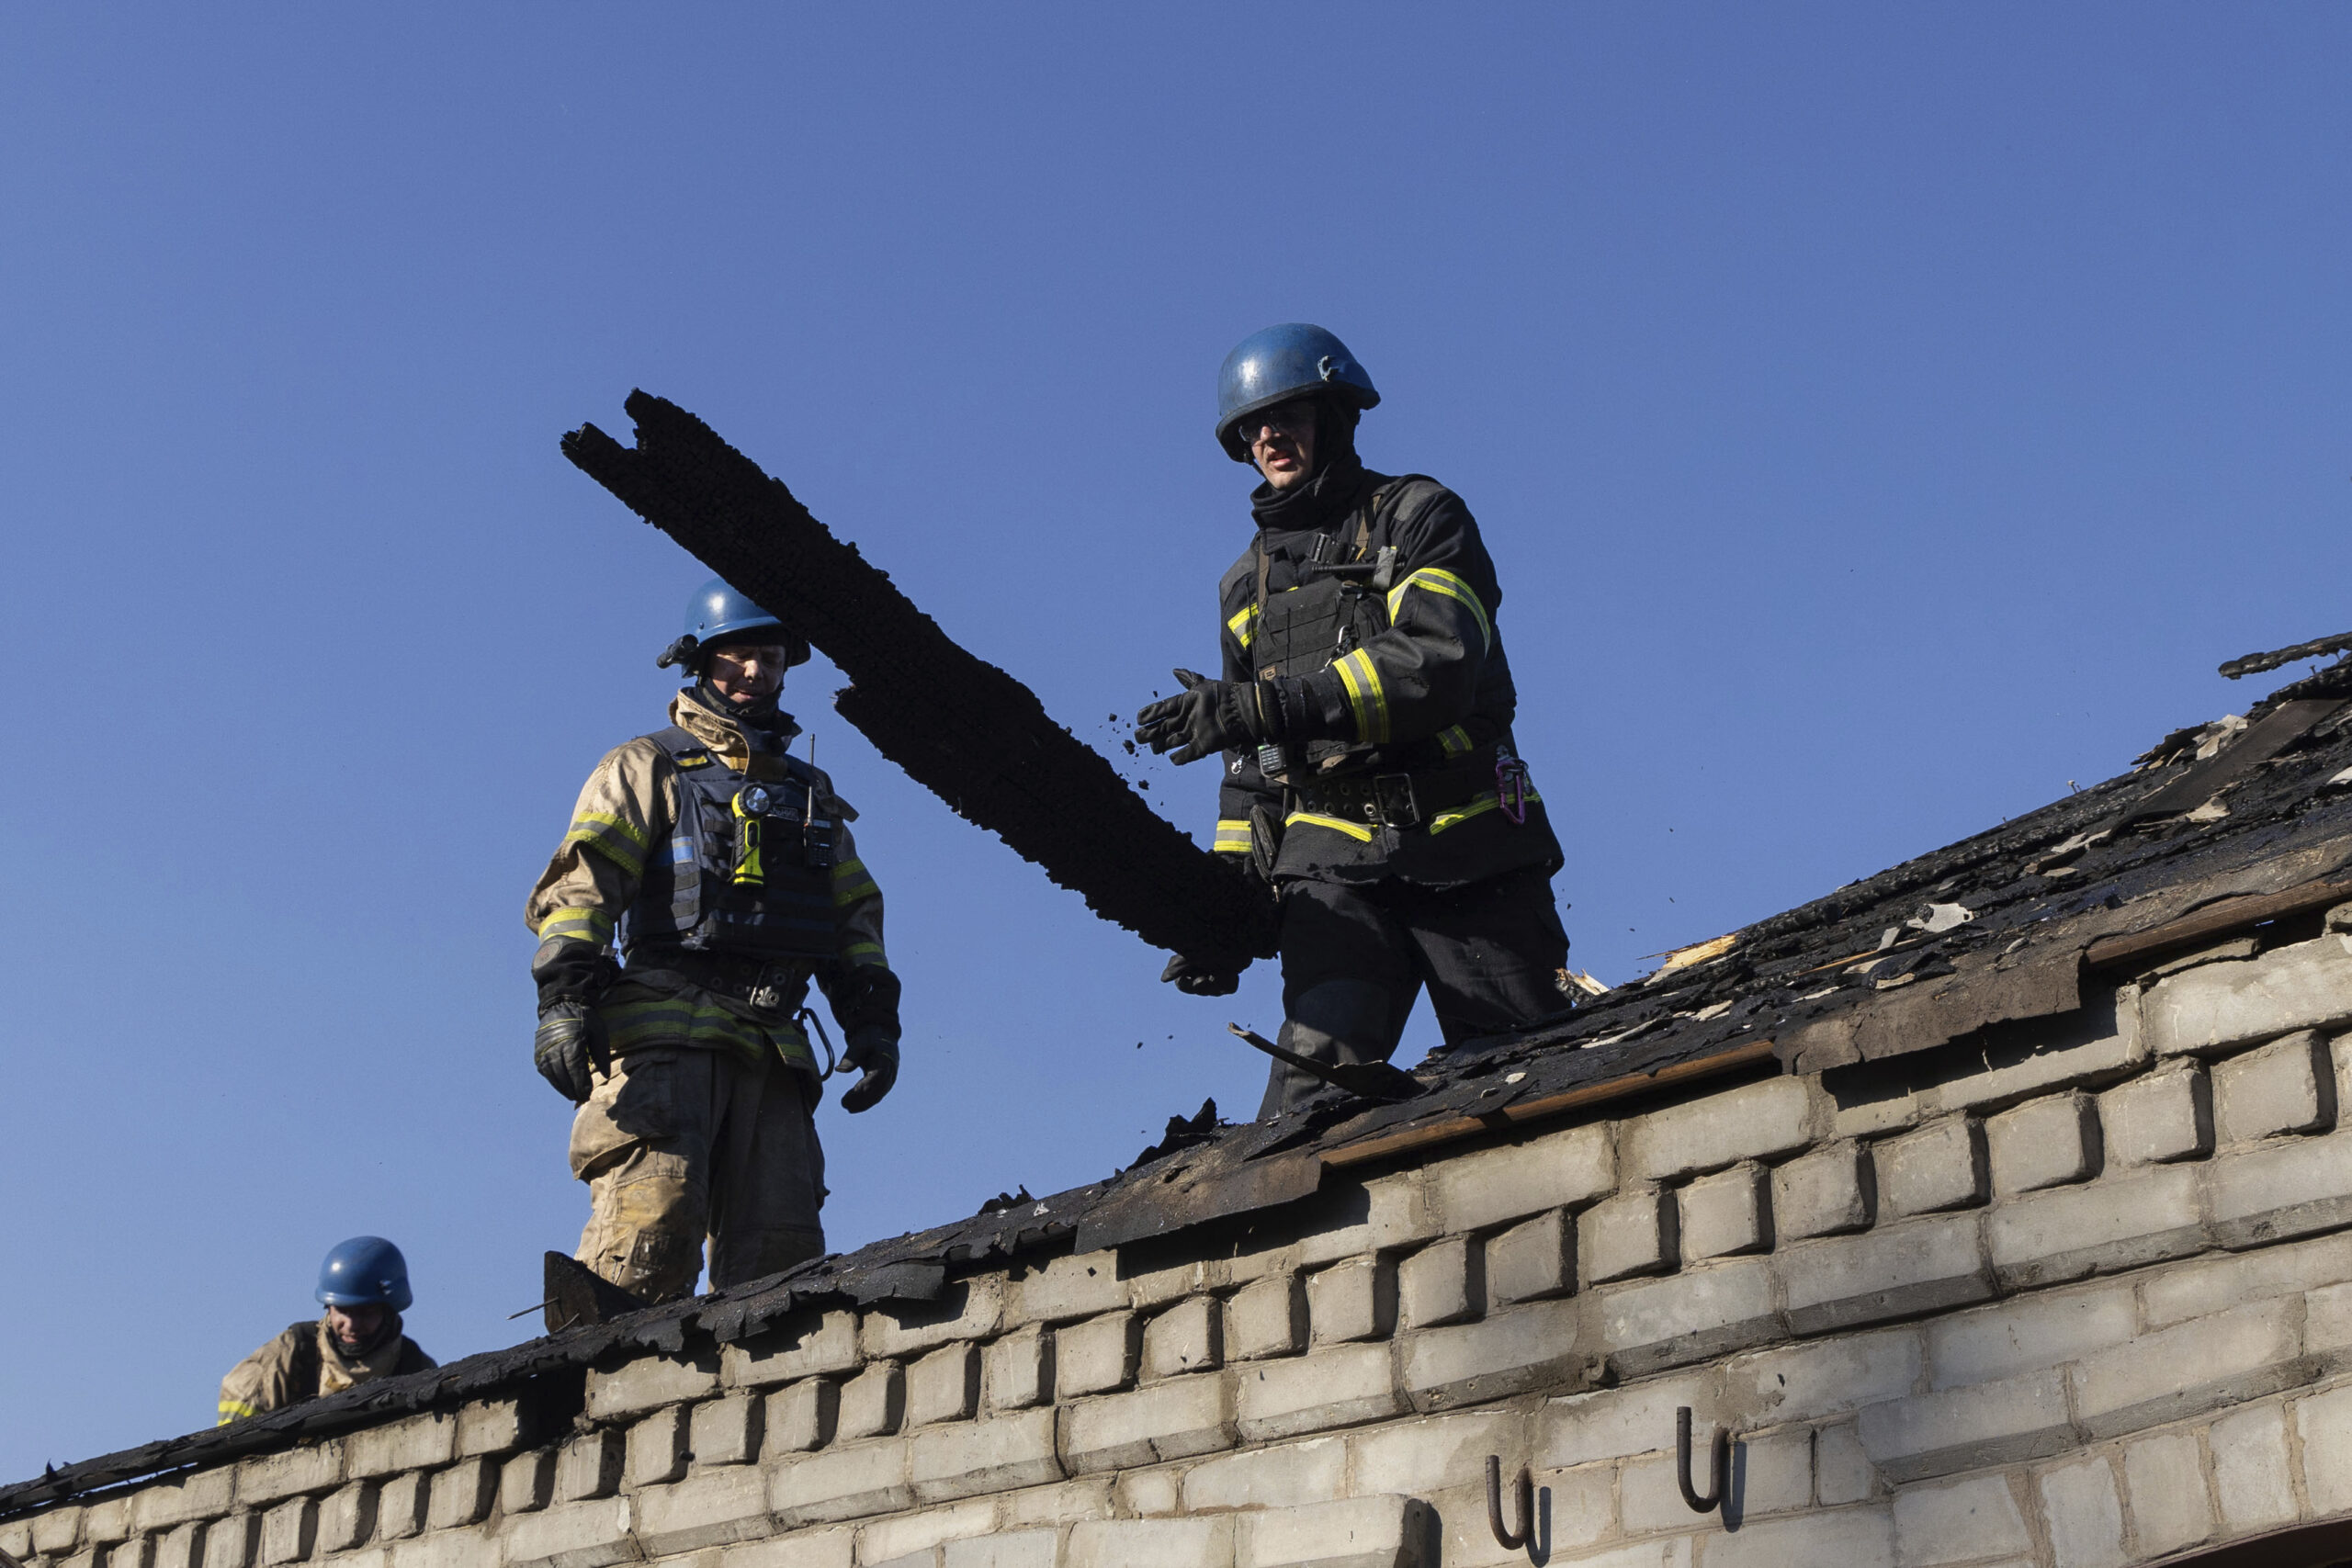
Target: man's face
354	1326
747	673
1282	441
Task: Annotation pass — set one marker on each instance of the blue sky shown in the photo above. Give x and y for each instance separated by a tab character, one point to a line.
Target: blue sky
1880	416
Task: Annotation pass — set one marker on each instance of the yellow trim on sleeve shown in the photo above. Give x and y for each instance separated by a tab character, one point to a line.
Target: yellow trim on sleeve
1366	698
1244	625
592	925
1232	837
1453	740
234	1410
1437	579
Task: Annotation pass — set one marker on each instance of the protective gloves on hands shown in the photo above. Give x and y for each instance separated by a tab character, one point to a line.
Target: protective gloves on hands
1205	718
570	1043
876	1051
1195	979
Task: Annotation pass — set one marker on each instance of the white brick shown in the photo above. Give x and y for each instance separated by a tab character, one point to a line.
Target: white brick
1771	1118
1532	1261
1085	1284
1278	1477
2324	1424
1170	1420
312	1468
657	1448
290	1530
232	1542
1848	1538
1442	1283
1830	1377
1352	1301
802	1417
576	1535
1940	1167
1826	1192
1531	1346
998	1454
462	1494
399	1504
2227	1359
1475	1191
887	1541
968	1309
1150	1543
1841	1471
108	1522
1357	1533
420	1443
645	1381
805	1345
1964	1523
873	1403
1429	1455
2167	1483
1696	1314
490	1427
852	1481
525	1483
1187	1338
2303	986
1020	1549
1400	1212
2044	1142
2286	1086
1267	1317
1018	1371
589	1466
2165	1116
726	1431
1969	1428
2196	1289
1618	1422
711	1508
1774	1475
182	1546
2122	1222
943	1386
1147	1493
1727	1214
1895	1271
2085	1520
348	1517
2272	1192
447	1548
1630	1235
1098	1355
2250	1469
1342	1385
2029	1334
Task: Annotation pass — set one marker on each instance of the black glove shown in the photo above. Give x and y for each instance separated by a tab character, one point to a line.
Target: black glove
1195	979
570	1043
1205	717
875	1050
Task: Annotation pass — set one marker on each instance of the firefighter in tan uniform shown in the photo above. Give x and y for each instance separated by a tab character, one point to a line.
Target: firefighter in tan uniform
364	1285
722	869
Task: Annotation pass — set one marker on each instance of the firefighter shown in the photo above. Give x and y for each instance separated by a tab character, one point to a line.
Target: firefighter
1364	719
723	868
364	1285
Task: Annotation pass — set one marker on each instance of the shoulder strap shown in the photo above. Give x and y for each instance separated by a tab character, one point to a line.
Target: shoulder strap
303	1371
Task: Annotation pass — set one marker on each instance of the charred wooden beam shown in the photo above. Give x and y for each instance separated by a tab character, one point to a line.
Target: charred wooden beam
962	727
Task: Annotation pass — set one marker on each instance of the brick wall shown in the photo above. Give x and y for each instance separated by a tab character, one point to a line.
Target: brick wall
2086	1300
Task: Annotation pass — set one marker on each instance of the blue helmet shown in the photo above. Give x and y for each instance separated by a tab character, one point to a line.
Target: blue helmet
1279	363
364	1271
719	614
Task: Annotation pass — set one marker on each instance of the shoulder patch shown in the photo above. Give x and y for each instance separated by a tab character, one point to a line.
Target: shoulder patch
696	759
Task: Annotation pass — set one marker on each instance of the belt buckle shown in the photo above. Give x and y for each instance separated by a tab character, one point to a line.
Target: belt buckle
1393	794
765	994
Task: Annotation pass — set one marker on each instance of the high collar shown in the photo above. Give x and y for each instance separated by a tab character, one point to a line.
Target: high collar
1326	498
734	742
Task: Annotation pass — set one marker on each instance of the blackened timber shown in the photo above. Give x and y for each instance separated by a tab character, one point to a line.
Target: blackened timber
962	727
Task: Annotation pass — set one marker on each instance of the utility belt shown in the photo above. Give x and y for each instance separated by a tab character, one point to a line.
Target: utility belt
1399	799
762	983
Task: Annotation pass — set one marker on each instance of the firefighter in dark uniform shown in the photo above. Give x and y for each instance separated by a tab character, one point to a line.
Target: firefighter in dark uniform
1365	716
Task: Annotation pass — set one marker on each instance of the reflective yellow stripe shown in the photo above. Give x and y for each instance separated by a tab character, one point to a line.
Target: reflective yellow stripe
626	829
610	836
586	925
1365	696
1244	626
234	1410
1361	832
868	953
865	889
1477	807
1232	837
1453	740
1439	581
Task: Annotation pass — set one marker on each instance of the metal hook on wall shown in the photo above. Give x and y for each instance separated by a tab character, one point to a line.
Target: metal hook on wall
1720	1465
1509	1540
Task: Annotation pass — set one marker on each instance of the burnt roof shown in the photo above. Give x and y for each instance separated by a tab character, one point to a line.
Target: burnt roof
2220	827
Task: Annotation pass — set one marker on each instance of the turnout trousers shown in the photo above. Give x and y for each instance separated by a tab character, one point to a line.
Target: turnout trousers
681	1143
1356	954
